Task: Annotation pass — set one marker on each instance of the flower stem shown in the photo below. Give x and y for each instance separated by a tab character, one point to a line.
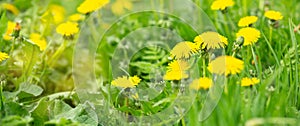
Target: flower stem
271	33
204	67
58	53
12	47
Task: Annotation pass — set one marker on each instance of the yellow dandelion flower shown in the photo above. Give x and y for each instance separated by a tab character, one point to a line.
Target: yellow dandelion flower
119	6
3	56
273	15
249	81
247	21
67	29
9	30
76	17
249	35
91	5
126	82
184	50
201	83
175	75
176	70
39	41
56	12
178	65
135	79
211	40
221	4
10	8
225	65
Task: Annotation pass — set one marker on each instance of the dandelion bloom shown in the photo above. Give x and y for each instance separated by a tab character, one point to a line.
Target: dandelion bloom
119	6
201	83
126	82
67	29
56	12
39	41
176	70
3	56
249	81
225	65
247	21
221	4
10	8
273	15
10	29
249	35
184	50
76	17
211	40
91	5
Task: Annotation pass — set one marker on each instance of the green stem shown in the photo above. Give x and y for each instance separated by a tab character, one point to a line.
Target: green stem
271	33
254	58
58	53
229	19
12	47
245	7
204	67
182	121
1	100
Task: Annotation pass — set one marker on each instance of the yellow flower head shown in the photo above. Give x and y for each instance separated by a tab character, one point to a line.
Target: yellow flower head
91	5
10	8
201	83
67	29
175	75
176	70
225	65
249	81
184	50
273	15
178	65
135	79
126	82
247	21
56	12
39	41
249	35
3	56
10	29
76	17
221	4
211	40
119	6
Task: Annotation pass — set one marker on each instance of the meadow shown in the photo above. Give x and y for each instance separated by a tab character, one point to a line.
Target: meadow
149	62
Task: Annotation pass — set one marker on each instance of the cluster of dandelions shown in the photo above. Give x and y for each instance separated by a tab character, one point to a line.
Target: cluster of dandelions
54	15
225	65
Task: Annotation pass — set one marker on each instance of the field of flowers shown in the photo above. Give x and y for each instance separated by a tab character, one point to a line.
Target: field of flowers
149	62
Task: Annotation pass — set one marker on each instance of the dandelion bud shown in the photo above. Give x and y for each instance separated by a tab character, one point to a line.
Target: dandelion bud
17	29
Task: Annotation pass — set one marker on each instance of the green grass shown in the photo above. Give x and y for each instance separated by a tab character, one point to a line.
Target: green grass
50	88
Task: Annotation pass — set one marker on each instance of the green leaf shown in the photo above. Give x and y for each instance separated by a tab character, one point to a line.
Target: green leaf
83	113
31	89
31	55
3	23
40	112
13	108
15	121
